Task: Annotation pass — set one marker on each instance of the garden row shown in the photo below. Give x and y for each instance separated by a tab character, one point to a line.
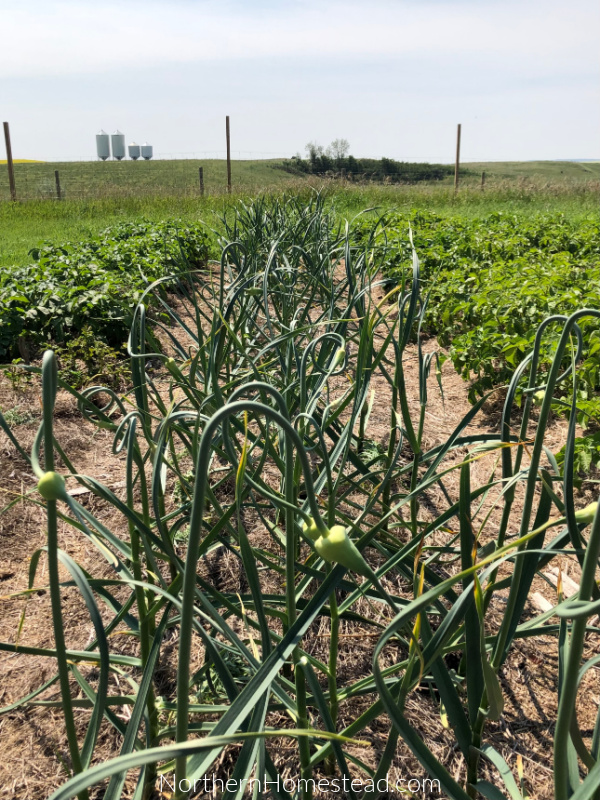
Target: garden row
92	285
490	282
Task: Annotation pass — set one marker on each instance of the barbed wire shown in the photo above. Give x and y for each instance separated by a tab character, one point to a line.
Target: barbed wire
178	174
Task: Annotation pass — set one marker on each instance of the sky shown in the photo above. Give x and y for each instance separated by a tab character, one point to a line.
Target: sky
393	77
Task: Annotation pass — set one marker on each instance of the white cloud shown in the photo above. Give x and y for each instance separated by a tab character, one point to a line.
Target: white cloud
70	38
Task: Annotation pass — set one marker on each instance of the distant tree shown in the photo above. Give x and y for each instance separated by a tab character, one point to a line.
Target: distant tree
389	166
336	160
353	164
339	149
313	151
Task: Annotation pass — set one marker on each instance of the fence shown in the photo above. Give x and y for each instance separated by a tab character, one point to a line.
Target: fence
177	176
194	174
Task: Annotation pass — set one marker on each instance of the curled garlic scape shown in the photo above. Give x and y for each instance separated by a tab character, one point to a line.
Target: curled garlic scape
587	514
52	486
335	546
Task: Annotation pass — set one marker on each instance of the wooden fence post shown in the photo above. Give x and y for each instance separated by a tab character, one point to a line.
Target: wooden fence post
482	180
228	154
57	182
201	179
457	164
9	163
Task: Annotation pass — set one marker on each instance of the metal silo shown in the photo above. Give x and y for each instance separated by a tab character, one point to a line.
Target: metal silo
134	151
103	145
147	151
117	141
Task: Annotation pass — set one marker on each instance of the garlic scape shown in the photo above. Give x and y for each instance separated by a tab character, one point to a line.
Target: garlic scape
587	514
311	530
52	486
336	547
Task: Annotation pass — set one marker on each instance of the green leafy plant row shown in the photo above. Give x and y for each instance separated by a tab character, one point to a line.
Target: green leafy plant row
491	282
94	284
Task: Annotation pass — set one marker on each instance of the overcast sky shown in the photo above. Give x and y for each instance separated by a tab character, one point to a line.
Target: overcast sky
394	78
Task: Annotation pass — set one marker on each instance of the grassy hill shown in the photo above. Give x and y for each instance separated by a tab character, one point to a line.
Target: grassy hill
87	179
552	171
99	179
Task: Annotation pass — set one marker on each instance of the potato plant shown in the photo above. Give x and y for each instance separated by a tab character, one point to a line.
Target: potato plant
493	280
93	284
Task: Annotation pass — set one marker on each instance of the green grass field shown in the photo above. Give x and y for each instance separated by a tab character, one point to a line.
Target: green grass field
99	194
538	170
99	179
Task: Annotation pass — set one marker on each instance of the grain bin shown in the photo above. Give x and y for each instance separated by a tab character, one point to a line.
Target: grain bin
134	151
117	141
102	145
147	151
